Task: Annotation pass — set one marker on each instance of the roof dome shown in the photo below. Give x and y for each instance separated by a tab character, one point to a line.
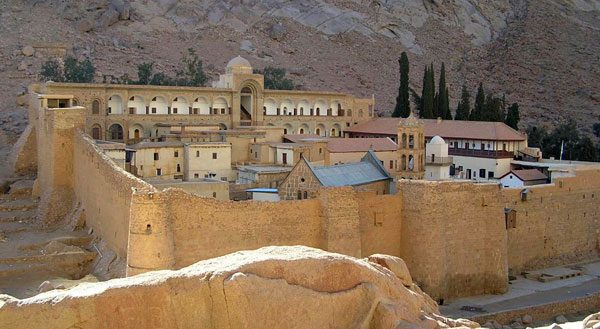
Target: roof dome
437	140
239	62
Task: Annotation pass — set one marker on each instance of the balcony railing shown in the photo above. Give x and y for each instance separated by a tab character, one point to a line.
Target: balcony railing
438	161
481	153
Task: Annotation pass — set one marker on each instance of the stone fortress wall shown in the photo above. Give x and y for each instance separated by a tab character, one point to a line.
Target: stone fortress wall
453	235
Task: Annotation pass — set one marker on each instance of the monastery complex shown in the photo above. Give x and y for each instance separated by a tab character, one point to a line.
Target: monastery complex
169	176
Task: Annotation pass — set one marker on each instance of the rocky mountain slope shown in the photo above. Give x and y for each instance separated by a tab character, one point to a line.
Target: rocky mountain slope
543	54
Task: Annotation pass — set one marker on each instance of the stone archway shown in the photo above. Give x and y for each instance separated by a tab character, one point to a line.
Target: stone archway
250	109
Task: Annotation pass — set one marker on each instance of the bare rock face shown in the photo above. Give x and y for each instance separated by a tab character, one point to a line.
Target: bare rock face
277	32
272	287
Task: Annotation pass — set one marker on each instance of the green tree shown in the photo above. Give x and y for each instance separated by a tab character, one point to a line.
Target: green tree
192	73
537	136
275	78
429	95
448	113
463	110
586	150
72	70
161	79
402	108
443	107
421	104
78	71
513	117
51	71
479	110
145	72
596	128
565	136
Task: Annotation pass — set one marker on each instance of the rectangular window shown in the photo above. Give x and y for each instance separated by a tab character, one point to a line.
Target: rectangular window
490	174
482	173
158	171
256	155
176	154
154	110
197	154
174	110
131	110
155	156
214	194
224	179
391	164
214	155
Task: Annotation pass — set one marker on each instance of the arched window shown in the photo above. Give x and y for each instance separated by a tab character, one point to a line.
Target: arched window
403	162
299	195
284	131
115	132
411	141
318	131
95	107
318	111
246	90
75	102
301	130
403	140
301	111
305	194
136	133
411	164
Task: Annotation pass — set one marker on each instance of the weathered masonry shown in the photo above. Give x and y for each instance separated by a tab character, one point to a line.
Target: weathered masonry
453	235
131	112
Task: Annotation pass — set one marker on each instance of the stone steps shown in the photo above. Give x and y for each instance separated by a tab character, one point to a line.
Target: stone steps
13	205
18	215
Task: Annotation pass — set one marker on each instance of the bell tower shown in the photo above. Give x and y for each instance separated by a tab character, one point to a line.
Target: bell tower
411	148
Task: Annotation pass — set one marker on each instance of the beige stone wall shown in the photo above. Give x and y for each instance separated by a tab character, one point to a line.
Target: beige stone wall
380	223
558	224
206	228
210	189
454	237
104	191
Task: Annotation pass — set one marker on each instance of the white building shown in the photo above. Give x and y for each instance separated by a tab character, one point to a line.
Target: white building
437	161
523	177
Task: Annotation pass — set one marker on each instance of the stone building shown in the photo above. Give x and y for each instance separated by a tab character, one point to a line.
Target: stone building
186	161
238	99
304	181
411	148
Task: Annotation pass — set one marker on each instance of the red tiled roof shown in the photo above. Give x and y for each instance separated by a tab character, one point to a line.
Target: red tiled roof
528	174
452	129
344	145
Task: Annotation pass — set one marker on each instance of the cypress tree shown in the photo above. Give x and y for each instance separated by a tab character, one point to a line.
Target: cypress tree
463	111
479	109
513	117
443	106
447	113
402	101
424	92
429	95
